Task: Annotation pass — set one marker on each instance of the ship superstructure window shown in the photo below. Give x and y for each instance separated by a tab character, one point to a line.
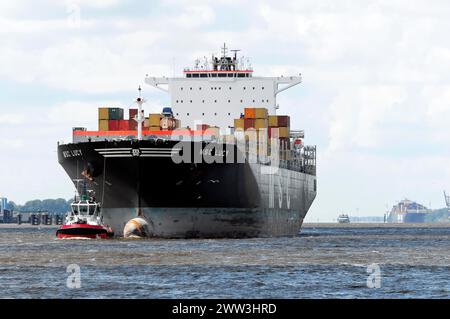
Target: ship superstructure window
195	75
241	75
203	75
214	75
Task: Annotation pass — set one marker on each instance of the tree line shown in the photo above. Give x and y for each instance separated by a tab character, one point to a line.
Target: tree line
54	206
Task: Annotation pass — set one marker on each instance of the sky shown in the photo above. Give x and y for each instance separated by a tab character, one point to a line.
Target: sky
375	96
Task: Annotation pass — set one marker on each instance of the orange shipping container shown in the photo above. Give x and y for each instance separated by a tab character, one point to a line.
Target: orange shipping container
273	120
103	113
261	113
261	123
239	124
154	119
249	113
103	125
284	132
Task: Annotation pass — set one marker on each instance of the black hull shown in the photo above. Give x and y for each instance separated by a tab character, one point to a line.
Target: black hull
189	200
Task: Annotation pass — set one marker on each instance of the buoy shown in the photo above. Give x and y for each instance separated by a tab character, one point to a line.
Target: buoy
136	228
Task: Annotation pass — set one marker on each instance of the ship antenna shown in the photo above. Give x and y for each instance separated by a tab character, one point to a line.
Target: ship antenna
139	118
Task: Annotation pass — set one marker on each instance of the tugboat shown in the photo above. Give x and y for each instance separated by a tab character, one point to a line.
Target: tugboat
343	219
84	220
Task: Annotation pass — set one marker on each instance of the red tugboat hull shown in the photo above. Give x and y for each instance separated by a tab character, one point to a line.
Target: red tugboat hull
84	231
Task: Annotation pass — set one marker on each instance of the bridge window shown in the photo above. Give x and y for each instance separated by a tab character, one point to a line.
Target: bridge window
195	75
241	75
203	75
214	75
230	75
188	75
222	75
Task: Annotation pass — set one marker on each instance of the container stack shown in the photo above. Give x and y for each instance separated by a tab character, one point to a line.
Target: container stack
111	119
279	127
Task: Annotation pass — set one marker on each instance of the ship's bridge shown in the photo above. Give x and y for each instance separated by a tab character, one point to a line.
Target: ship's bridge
215	91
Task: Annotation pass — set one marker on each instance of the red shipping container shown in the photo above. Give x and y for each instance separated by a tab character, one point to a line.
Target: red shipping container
202	127
284	121
113	125
132	124
124	125
249	123
132	113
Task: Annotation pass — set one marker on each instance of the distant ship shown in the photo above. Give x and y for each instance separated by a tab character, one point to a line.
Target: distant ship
407	211
129	163
343	219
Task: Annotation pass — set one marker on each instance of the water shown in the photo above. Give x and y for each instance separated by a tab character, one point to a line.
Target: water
322	262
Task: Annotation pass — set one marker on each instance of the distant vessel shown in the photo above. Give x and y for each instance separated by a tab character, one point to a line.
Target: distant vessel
343	219
408	211
84	220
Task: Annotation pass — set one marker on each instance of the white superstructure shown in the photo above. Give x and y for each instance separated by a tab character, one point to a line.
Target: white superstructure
216	91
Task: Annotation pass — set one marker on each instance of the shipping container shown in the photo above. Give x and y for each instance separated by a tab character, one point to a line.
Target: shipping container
261	113
113	125
202	127
124	125
284	132
115	113
273	120
239	124
261	123
249	123
132	124
155	119
103	113
249	113
103	125
284	121
132	113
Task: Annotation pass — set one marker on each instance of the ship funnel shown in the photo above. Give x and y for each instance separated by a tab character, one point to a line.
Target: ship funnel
136	228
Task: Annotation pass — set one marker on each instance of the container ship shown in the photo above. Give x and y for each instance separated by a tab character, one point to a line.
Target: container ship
218	162
407	211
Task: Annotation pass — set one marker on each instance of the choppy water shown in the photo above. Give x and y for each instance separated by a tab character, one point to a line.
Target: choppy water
322	262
